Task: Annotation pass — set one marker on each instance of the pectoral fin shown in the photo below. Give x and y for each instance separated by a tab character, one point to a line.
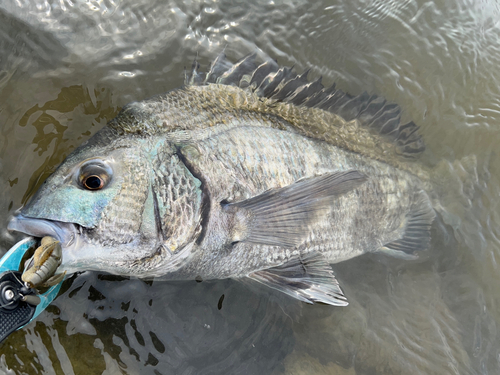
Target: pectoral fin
281	217
309	279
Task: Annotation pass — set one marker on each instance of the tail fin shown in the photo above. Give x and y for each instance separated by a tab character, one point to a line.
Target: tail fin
455	184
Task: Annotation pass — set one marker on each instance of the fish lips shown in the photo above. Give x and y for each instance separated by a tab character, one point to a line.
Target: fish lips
65	233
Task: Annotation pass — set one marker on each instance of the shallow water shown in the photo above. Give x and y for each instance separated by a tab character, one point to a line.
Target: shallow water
67	67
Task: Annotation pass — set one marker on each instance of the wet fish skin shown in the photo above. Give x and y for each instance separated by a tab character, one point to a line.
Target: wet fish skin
359	222
214	181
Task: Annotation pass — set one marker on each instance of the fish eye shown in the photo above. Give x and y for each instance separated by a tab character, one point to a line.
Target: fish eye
94	175
93	182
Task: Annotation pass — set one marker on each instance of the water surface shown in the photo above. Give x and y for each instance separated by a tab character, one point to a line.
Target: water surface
66	68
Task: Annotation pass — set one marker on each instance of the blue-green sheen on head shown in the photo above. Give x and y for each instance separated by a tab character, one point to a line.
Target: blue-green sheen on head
64	198
85	184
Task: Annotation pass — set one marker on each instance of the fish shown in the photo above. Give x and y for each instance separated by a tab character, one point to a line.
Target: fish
247	171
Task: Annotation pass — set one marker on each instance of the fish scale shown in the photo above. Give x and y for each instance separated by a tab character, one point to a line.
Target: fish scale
356	234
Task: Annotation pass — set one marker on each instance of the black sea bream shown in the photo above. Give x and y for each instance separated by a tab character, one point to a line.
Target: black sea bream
247	171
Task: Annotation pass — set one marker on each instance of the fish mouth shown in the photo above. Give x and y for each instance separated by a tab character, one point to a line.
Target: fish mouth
77	254
65	233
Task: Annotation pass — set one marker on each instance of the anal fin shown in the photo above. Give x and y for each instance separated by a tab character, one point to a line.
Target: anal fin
417	232
308	278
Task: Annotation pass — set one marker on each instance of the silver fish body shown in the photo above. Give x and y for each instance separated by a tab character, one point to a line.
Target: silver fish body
251	171
245	162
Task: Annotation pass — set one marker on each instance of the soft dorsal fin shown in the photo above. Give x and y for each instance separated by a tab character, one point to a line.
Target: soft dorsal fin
283	85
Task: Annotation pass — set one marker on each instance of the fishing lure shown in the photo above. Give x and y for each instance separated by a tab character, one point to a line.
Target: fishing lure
19	302
42	267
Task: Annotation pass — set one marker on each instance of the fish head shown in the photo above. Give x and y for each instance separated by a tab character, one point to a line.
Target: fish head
105	205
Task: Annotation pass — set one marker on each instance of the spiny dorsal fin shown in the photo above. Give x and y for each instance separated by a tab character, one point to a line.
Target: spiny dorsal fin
269	81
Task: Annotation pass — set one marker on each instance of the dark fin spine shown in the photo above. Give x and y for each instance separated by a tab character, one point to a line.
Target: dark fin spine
262	71
270	84
308	91
281	217
291	88
308	278
233	76
217	68
194	77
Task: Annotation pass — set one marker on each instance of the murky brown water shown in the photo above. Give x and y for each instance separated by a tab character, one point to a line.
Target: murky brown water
67	67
